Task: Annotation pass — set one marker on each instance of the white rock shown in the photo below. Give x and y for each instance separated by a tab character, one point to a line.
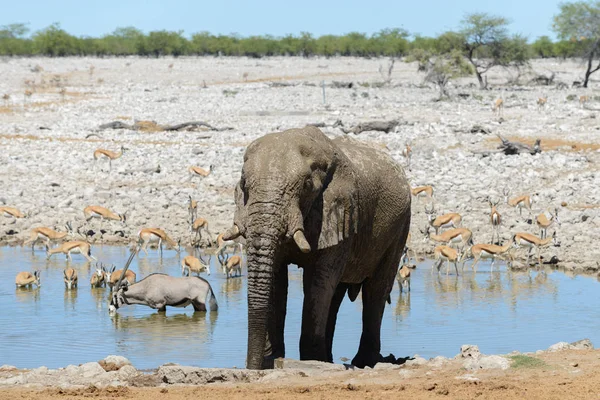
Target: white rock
469	351
559	346
416	361
91	369
117	361
487	362
127	371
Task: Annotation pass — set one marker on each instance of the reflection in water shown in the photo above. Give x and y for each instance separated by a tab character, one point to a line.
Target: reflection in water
159	324
100	296
163	333
232	286
499	311
28	295
70	298
403	305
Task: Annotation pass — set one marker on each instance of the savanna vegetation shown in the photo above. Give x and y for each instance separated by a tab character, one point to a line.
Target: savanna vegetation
481	42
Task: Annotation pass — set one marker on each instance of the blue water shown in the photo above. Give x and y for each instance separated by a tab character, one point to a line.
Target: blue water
499	311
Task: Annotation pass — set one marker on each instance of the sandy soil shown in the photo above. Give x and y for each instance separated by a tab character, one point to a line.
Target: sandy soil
571	374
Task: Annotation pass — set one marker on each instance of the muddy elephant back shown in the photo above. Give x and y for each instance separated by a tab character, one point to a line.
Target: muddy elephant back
378	167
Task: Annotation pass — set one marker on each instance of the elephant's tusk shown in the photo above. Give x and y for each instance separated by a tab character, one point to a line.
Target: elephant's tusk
231	233
301	241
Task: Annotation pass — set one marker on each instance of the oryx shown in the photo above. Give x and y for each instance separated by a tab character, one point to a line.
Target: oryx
160	290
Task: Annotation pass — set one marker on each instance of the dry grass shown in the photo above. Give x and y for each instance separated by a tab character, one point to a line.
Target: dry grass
99	140
291	77
552	144
62	99
148	126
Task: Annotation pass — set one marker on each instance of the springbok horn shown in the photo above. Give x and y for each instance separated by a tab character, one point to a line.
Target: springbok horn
231	233
301	242
133	253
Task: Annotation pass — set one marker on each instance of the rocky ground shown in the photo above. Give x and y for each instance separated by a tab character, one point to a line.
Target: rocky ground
563	371
47	140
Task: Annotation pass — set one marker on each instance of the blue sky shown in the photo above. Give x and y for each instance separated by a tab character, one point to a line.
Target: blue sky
531	18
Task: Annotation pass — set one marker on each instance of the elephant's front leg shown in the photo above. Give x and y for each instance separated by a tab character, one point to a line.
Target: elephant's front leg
320	282
279	308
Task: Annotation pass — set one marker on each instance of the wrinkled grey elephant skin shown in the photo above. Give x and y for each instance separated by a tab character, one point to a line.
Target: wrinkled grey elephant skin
340	210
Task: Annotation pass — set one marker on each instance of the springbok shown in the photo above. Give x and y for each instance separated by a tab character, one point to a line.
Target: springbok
197	171
159	291
463	236
83	248
495	220
102	213
28	279
498	107
70	278
98	278
192	209
530	241
407	153
222	244
448	254
443	221
11	212
421	192
111	155
47	235
541	102
583	99
519	202
112	277
198	226
407	249
193	264
147	235
544	222
231	266
403	277
479	251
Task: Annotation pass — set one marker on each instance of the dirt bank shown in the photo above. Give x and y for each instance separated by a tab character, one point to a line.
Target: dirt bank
566	374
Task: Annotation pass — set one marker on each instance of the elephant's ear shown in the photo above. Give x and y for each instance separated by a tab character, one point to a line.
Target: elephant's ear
340	206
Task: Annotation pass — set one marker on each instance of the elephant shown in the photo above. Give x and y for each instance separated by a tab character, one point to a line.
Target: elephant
337	208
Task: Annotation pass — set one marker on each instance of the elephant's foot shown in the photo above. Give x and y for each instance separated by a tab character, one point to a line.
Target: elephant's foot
311	349
362	360
268	363
369	360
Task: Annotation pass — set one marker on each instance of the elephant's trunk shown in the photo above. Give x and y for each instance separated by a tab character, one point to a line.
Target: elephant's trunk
263	242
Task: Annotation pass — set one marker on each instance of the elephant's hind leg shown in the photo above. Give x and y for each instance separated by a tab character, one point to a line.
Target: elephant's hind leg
338	297
375	292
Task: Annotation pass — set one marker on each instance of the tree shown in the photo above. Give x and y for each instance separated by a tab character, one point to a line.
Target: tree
441	68
12	40
124	41
543	47
486	44
56	42
580	21
161	43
